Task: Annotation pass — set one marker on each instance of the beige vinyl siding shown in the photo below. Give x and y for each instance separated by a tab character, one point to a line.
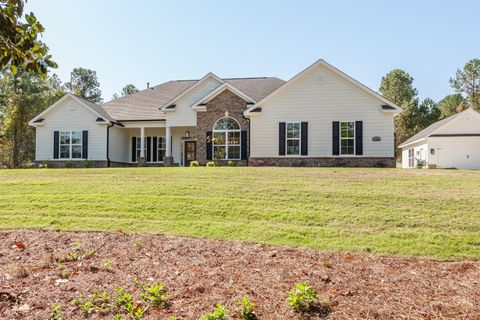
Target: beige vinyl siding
71	116
319	104
118	144
183	114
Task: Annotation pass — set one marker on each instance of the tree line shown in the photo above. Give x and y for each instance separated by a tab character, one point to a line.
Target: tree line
26	89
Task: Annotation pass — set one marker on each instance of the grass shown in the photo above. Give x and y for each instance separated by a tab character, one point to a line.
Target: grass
430	213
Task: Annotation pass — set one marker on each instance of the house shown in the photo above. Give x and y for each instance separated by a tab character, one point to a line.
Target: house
320	117
453	142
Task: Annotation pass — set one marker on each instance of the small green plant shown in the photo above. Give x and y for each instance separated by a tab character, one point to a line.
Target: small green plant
117	317
247	311
85	304
421	164
88	253
138	312
194	164
220	313
211	164
231	163
124	300
98	301
155	294
302	298
138	243
57	313
88	163
107	264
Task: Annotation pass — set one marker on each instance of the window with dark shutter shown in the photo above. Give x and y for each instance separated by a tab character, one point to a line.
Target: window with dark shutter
244	145
209	145
134	149
281	138
335	138
56	147
358	138
149	149
304	143
155	149
85	144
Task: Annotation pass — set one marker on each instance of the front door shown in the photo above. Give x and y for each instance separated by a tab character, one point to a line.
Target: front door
190	152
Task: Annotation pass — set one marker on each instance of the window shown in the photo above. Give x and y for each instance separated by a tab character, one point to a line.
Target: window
432	151
161	148
347	138
226	139
293	138
70	144
411	158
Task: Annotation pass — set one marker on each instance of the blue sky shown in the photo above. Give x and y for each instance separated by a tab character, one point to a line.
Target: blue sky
155	41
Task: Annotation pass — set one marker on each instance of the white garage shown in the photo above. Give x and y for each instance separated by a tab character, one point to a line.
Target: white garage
453	142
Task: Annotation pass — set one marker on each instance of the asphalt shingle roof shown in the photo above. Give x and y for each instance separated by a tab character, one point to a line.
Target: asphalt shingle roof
145	104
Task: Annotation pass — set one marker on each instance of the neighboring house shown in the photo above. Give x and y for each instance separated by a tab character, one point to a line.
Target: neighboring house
453	142
321	117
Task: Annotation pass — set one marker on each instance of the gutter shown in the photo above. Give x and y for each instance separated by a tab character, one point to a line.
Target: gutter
108	144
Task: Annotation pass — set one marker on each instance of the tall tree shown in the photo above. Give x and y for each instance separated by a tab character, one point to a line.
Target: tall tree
424	114
19	43
397	86
451	104
84	83
467	82
128	89
22	96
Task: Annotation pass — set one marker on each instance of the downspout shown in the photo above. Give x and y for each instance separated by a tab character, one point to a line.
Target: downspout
108	144
249	140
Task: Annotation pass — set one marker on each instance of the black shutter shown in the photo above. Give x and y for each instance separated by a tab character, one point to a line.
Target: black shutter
56	137
358	138
149	149
281	139
335	138
134	149
85	144
304	143
209	145
244	145
155	147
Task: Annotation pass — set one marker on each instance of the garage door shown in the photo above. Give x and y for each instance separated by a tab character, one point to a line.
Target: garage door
458	155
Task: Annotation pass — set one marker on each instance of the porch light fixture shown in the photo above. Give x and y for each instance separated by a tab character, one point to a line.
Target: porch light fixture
187	134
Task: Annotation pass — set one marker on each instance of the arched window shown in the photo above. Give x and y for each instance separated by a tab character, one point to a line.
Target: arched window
226	139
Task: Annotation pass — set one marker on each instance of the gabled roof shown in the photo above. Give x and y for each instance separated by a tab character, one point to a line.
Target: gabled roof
225	86
337	72
209	75
430	130
94	108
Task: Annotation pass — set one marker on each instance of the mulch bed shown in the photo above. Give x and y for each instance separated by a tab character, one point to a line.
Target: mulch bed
200	273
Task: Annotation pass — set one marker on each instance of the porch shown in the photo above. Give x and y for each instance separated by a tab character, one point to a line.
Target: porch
153	143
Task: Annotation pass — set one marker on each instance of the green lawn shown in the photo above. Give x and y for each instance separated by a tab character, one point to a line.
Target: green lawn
386	211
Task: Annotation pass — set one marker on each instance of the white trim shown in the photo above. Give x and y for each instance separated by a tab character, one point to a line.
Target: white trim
337	72
68	95
299	139
216	92
195	85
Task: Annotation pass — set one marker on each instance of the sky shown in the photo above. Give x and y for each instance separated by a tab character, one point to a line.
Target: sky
141	41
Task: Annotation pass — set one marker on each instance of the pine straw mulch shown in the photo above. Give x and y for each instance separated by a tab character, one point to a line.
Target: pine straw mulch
200	273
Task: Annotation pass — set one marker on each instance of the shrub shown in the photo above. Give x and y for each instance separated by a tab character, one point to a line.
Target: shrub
220	313
155	294
302	298
194	164
88	163
421	163
231	163
248	309
211	164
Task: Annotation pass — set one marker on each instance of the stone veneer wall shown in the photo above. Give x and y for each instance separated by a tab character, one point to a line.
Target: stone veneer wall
379	162
81	164
216	108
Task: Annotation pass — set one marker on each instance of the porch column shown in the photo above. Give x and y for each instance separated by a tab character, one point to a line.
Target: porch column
142	142
168	159
141	160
